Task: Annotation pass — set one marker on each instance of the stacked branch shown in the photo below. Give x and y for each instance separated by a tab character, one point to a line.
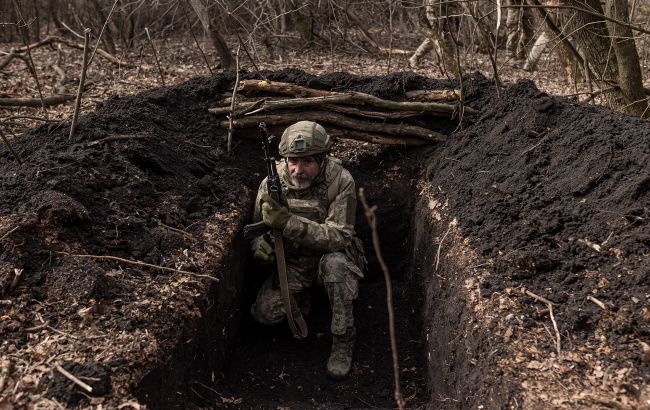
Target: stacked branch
352	115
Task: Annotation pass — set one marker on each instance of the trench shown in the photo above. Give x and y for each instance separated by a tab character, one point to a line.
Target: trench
228	361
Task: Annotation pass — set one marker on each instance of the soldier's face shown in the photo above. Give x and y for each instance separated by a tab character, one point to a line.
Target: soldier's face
303	170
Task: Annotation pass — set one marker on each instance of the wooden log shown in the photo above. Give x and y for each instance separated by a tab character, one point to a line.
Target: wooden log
282	88
252	107
336	132
36	102
379	115
433	95
401	130
353	98
53	39
9	58
375	138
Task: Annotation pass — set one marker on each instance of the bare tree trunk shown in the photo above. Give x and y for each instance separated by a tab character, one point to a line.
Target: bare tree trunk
592	37
227	59
629	69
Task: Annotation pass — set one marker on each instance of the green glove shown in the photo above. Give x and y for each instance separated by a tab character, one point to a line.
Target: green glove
274	215
264	253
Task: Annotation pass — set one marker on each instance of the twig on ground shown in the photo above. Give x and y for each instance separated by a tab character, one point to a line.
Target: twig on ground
73	379
27	117
17	275
606	401
10	148
155	56
597	302
549	304
61	332
232	103
4	374
82	79
116	138
35	102
181	232
365	403
138	263
372	221
9	58
440	247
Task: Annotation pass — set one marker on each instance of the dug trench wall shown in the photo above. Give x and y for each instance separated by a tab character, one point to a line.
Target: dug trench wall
540	199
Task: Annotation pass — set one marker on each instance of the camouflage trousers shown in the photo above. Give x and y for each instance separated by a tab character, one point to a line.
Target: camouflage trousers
334	271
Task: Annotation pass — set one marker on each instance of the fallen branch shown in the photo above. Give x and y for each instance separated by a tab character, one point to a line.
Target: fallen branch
73	379
52	40
597	302
433	95
116	138
379	115
9	58
549	304
440	247
372	222
401	130
82	79
14	229
36	102
18	273
374	138
329	97
605	401
282	88
138	263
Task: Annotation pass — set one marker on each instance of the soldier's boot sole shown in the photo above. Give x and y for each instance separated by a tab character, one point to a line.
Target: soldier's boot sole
339	363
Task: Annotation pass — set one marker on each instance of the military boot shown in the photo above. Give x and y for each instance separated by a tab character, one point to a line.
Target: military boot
340	361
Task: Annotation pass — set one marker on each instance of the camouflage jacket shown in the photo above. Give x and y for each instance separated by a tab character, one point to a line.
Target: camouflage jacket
323	215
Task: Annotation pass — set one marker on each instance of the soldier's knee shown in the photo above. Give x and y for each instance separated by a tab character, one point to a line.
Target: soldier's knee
267	309
340	277
332	266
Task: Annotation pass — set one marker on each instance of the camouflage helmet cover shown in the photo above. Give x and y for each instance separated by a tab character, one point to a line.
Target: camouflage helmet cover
304	138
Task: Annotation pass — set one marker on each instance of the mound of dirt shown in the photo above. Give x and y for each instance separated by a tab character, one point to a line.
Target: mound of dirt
553	196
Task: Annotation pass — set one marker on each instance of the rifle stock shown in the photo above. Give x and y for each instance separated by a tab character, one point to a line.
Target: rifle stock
255	229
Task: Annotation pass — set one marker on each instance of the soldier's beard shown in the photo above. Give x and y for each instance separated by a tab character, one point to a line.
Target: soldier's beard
301	181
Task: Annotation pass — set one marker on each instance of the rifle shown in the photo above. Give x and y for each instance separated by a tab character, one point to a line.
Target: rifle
274	188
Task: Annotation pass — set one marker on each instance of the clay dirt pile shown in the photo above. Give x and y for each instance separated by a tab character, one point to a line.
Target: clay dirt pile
535	193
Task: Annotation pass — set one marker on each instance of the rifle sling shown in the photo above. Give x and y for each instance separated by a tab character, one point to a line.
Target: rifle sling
294	316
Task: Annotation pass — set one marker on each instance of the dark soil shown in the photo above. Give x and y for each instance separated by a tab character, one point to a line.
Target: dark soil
535	181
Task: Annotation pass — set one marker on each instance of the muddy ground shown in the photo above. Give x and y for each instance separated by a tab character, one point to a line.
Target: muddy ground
539	192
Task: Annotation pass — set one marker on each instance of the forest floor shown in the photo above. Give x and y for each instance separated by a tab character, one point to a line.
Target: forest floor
551	194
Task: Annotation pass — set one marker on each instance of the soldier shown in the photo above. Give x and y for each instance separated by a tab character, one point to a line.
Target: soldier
520	29
320	242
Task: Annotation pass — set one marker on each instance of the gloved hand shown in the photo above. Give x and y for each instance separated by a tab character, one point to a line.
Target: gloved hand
264	253
274	215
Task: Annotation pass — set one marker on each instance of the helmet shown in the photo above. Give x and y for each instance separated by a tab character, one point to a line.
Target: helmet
304	138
